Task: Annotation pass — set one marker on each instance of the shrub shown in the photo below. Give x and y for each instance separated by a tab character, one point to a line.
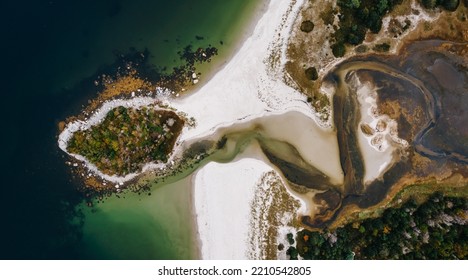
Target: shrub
338	49
429	4
311	73
450	5
307	26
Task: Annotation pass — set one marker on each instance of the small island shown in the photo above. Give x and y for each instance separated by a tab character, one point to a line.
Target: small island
353	119
128	127
127	139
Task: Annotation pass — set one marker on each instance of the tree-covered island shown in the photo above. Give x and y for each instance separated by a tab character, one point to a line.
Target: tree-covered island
127	139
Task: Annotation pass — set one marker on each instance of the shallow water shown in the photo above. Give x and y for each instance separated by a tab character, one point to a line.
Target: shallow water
164	220
155	226
53	51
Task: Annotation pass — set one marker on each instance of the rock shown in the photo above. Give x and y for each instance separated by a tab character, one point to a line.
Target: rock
307	26
61	126
170	122
195	81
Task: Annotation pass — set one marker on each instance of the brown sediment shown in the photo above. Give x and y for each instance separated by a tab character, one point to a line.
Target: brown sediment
390	108
308	177
421	104
450	26
61	126
124	85
367	129
311	49
328	202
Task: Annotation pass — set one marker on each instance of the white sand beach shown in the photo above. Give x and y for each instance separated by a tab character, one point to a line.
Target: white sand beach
245	89
223	194
248	87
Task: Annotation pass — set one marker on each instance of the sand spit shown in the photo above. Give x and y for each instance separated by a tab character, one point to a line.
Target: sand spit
223	193
273	215
246	89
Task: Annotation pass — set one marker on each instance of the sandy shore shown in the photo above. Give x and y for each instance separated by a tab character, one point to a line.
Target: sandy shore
223	193
249	87
246	88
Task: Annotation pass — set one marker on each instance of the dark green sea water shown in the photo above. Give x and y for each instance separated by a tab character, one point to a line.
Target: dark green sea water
52	52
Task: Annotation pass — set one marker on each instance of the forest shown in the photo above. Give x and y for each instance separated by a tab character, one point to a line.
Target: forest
127	139
357	17
435	229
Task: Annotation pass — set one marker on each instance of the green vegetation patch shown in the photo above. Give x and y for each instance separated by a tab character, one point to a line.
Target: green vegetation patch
356	18
384	47
127	139
435	229
449	5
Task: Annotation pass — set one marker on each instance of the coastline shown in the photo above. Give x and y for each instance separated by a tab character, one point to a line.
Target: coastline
248	92
162	99
96	117
245	80
248	87
243	32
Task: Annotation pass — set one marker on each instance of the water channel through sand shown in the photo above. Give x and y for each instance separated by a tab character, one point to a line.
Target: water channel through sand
141	217
306	155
